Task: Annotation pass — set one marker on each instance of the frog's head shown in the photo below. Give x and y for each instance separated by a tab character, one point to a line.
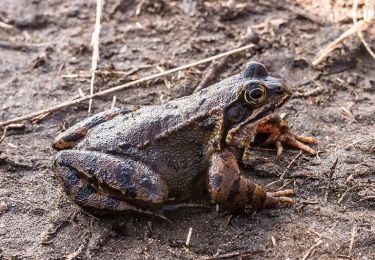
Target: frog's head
257	97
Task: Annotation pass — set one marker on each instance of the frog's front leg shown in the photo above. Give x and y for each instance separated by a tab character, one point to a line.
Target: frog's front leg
278	133
104	183
235	192
71	136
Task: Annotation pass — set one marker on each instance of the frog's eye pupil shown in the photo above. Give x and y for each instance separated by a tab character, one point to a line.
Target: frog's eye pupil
256	93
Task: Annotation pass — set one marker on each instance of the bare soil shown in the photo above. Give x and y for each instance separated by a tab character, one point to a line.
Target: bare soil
47	40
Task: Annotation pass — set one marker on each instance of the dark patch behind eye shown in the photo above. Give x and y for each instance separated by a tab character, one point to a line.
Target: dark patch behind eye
236	113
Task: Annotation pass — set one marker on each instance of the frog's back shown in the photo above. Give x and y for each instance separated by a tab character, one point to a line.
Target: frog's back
139	128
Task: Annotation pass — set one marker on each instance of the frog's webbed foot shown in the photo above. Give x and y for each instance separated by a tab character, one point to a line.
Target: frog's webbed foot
275	198
279	134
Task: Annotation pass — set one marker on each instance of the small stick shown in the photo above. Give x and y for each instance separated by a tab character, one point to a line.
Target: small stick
352	189
86	73
350	114
360	26
8	127
311	249
282	176
227	255
95	48
81	94
187	243
273	240
77	253
352	237
314	232
14	45
4	134
123	86
368	15
6	26
331	172
113	102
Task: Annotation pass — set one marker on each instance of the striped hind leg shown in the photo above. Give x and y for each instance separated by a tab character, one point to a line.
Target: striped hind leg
93	200
234	192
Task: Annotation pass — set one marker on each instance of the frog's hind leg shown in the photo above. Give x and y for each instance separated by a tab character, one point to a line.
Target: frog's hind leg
94	201
124	178
235	192
279	134
71	136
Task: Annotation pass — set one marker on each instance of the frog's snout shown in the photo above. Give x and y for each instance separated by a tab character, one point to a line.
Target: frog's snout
286	89
280	93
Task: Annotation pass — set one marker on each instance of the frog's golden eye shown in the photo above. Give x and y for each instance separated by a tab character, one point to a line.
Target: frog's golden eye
255	95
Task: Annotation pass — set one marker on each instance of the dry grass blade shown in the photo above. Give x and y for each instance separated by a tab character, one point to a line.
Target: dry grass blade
123	86
352	237
357	27
360	26
311	249
95	48
188	238
368	15
76	254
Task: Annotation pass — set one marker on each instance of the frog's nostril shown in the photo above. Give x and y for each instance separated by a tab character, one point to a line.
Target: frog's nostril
279	90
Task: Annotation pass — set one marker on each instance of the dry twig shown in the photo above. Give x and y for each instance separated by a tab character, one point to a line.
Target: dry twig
20	45
282	176
187	242
273	240
352	237
331	172
356	28
311	249
229	255
18	126
123	86
78	252
360	26
95	47
368	15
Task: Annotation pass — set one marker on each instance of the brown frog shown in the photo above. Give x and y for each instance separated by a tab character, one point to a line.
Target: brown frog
140	161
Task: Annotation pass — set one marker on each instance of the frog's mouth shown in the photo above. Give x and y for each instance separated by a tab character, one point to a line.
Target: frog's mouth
241	135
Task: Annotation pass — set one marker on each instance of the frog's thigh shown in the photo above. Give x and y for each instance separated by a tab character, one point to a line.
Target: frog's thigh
87	197
225	184
71	136
123	178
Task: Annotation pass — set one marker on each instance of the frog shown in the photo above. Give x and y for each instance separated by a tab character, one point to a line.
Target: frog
141	161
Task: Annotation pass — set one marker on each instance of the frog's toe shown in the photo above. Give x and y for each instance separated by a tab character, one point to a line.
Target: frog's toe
295	141
275	198
279	134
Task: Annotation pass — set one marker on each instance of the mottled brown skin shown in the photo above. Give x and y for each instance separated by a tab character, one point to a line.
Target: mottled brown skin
140	161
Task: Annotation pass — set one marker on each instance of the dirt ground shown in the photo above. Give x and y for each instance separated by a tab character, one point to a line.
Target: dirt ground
45	56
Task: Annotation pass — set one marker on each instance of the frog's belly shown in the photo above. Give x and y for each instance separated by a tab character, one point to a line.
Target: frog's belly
181	167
